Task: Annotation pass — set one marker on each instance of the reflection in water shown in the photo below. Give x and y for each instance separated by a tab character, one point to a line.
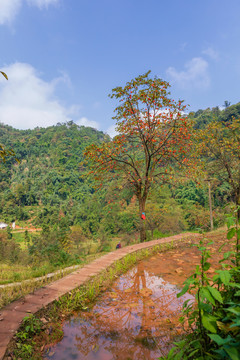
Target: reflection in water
136	320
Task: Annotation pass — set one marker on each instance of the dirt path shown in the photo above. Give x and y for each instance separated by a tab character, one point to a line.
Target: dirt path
23	230
12	315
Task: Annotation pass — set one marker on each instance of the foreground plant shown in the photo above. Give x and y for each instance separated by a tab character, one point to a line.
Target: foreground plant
31	326
214	320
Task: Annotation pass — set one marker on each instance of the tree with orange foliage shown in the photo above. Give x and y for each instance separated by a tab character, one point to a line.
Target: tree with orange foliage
219	143
153	134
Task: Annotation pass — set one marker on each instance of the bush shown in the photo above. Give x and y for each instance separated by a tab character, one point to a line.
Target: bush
9	249
198	218
47	247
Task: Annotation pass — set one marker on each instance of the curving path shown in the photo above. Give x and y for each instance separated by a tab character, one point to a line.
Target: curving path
12	315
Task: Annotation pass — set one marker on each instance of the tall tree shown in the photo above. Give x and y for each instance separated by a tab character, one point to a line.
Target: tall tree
219	142
153	134
226	104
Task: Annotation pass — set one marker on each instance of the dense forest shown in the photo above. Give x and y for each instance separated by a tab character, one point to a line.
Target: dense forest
49	188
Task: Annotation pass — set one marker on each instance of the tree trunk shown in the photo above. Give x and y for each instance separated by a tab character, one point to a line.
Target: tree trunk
143	235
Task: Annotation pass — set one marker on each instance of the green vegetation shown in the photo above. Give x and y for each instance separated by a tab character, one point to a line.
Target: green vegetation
46	192
50	186
214	321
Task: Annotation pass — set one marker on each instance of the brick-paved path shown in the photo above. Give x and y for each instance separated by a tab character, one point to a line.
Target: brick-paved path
12	315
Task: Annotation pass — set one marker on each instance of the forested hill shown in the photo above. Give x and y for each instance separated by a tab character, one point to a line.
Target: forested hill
50	170
203	117
48	185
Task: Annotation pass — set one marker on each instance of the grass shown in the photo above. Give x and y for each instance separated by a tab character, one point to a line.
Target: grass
158	234
17	272
20	239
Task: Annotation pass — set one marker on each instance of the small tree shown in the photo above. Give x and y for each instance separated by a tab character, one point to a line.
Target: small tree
77	236
220	143
26	237
9	233
153	134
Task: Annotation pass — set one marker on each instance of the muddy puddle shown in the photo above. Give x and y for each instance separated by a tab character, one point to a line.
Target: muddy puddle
136	319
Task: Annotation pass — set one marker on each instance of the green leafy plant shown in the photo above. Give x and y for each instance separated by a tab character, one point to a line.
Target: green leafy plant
31	326
214	319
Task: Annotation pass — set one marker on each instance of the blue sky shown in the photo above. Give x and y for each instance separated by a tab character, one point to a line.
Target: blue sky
63	57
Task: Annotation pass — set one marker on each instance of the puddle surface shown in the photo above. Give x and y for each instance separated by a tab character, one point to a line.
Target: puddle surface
136	319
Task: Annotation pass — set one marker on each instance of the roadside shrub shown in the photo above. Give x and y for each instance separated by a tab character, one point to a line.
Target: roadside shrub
198	218
172	223
47	247
9	249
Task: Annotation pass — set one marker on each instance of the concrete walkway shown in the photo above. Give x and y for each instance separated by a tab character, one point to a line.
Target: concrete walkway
12	315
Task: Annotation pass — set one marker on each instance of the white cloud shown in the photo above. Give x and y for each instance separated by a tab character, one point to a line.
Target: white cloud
42	3
27	101
10	8
195	74
85	122
213	54
111	131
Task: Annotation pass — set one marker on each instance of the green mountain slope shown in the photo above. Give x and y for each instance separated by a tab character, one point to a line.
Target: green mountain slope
50	173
